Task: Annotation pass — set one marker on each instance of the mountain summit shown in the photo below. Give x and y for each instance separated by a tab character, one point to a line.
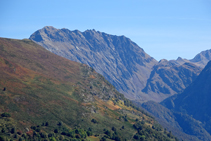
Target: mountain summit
121	61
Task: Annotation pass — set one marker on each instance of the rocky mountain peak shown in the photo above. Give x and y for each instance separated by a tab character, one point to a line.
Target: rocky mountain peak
121	61
202	58
163	61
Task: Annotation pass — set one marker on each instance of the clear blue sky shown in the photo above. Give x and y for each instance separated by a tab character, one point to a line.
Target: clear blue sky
165	29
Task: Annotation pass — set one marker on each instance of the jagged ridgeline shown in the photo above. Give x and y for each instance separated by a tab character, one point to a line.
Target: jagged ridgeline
47	97
121	61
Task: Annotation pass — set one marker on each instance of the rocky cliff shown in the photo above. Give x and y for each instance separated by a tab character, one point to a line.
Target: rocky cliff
202	58
170	77
121	61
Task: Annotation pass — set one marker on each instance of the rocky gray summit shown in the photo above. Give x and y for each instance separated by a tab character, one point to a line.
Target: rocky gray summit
121	61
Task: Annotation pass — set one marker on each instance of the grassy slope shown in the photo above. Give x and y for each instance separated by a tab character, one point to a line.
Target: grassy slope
42	87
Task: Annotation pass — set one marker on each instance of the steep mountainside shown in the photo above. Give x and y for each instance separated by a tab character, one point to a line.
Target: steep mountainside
182	125
47	97
170	77
195	100
122	62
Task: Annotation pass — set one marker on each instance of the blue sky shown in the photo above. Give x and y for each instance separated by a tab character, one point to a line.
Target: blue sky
165	29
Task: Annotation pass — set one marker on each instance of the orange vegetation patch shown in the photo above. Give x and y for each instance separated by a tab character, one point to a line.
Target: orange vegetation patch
86	104
112	106
109	104
92	76
22	123
30	133
93	138
70	93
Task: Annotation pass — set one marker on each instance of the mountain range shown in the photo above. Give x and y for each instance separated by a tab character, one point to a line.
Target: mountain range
168	78
123	63
187	112
40	88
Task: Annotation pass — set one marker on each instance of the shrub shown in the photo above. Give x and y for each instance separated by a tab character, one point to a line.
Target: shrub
33	127
38	129
46	124
5	115
103	139
94	120
3	130
89	133
60	123
13	130
2	138
56	131
113	128
108	133
63	133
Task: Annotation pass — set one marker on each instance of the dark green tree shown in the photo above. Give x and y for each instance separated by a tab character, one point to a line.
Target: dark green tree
3	130
13	130
5	114
56	131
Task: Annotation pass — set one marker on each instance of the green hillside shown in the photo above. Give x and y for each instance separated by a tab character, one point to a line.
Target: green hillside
47	97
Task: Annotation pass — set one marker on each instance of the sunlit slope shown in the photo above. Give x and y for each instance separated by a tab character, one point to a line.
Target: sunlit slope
47	97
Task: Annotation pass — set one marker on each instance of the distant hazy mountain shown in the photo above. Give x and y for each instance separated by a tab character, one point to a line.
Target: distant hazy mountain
170	77
202	58
121	61
195	100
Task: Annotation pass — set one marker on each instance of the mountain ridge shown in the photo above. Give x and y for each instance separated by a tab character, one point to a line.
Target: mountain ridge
168	78
121	61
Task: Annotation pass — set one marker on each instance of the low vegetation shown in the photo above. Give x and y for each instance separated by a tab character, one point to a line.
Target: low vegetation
64	100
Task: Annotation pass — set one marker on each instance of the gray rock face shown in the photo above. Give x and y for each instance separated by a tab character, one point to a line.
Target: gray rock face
170	77
122	62
202	58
